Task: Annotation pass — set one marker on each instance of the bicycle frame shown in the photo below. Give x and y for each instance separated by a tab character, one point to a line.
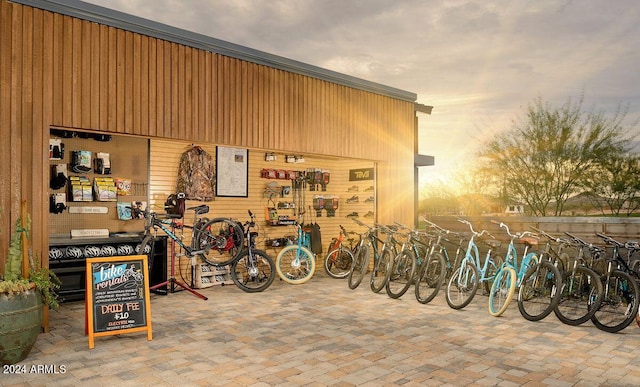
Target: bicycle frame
511	259
472	255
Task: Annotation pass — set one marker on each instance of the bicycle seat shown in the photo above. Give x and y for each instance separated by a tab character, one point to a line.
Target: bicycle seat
199	210
492	243
529	241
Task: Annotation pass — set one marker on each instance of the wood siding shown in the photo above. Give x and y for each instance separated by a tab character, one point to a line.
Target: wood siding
59	71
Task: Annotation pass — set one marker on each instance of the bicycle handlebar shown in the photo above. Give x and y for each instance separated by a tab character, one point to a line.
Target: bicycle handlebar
475	233
516	235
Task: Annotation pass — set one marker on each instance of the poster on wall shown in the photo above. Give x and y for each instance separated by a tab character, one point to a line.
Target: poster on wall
232	171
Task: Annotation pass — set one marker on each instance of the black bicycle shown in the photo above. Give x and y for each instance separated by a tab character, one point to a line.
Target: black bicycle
254	270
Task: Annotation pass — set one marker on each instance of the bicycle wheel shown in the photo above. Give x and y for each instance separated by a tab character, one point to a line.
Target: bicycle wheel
253	273
379	273
295	264
338	262
619	305
219	241
502	290
462	285
401	275
359	267
496	262
539	291
430	276
581	295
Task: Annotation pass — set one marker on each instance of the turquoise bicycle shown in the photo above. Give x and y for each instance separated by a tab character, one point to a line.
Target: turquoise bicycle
542	278
464	282
296	264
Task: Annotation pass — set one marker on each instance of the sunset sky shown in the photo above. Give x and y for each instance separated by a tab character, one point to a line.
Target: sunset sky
478	63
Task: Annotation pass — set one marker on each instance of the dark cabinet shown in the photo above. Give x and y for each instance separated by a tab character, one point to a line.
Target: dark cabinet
67	260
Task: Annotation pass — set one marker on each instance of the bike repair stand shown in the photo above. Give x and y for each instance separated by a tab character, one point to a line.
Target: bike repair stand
172	281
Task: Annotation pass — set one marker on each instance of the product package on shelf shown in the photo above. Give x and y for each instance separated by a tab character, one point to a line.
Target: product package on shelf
105	189
80	189
124	186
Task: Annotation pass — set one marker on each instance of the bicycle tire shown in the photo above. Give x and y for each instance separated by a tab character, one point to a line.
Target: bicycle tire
338	262
219	241
256	276
430	278
147	247
294	271
581	295
359	267
492	269
619	306
379	274
539	291
502	290
401	275
461	291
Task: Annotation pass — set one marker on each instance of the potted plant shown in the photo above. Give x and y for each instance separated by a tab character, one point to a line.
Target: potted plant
24	288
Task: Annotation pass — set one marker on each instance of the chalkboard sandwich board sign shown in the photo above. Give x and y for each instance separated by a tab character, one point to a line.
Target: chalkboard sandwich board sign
117	296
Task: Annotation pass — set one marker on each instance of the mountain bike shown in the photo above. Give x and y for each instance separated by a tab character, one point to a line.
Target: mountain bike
582	290
219	238
402	270
538	282
367	246
431	265
464	282
452	263
216	241
339	259
619	306
295	263
254	270
360	265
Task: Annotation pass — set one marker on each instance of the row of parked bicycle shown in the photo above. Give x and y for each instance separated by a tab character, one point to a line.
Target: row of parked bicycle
576	280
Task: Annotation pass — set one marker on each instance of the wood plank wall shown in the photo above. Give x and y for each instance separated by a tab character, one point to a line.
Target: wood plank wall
65	72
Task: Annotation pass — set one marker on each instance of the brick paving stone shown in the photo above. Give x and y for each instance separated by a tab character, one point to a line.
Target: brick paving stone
322	333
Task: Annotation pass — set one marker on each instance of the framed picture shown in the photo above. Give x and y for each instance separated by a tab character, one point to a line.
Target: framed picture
232	172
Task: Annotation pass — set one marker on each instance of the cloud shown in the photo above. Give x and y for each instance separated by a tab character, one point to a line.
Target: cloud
479	63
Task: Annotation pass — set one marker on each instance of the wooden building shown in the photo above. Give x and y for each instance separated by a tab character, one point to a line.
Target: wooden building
76	66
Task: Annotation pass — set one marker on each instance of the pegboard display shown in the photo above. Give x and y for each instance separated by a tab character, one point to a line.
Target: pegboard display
95	162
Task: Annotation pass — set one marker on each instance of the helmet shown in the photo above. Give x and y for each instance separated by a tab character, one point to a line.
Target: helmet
55	253
91	251
125	249
74	252
147	249
108	251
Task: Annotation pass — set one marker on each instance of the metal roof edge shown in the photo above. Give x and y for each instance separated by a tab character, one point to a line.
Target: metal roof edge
101	15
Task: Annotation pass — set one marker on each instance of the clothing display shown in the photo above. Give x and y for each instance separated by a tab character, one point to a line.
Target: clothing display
196	175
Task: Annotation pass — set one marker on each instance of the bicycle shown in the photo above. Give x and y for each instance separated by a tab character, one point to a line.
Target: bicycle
295	263
437	266
254	270
360	263
207	241
339	259
619	306
582	290
402	270
381	257
464	282
216	241
538	281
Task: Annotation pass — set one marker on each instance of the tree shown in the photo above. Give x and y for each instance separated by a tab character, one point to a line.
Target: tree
615	185
547	154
